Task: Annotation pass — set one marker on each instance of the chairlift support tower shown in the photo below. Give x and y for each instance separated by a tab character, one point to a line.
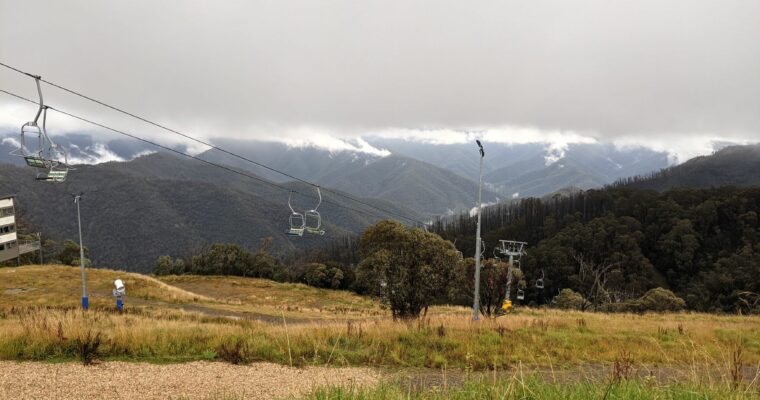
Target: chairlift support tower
514	250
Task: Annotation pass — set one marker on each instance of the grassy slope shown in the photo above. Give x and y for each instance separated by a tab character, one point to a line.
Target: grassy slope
60	286
272	298
165	327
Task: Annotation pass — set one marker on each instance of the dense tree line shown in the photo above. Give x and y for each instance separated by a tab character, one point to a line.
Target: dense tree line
612	246
225	259
615	244
231	259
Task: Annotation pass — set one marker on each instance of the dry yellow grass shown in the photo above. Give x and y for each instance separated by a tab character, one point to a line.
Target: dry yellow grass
56	285
45	285
272	298
167	328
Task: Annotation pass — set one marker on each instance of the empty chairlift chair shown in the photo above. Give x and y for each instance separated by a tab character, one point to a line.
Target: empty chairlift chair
50	160
313	221
520	294
296	220
540	281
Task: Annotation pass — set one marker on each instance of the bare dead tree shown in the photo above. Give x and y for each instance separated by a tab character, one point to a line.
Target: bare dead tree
596	273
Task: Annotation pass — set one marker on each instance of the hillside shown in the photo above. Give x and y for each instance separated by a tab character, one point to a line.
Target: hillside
426	188
159	204
524	180
730	166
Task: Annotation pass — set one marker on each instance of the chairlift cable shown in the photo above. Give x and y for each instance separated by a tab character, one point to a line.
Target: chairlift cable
388	212
167	148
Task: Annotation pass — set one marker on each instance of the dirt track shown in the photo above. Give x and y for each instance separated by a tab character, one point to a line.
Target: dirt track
196	380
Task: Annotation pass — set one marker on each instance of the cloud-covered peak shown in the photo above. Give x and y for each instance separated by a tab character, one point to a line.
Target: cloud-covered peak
333	144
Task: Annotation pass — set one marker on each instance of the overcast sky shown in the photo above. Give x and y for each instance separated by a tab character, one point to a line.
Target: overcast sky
673	75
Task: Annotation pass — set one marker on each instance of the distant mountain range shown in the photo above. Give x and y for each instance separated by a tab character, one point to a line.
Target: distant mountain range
534	169
142	204
433	179
415	184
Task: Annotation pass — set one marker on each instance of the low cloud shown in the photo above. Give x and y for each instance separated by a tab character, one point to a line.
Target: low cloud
306	137
681	150
95	154
11	141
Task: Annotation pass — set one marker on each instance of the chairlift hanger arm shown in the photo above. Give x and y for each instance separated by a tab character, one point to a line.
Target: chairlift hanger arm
42	103
319	194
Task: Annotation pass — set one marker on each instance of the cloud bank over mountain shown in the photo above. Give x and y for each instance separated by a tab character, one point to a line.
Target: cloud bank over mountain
677	76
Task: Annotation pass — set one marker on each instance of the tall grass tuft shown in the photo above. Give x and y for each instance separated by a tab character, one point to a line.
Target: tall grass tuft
235	351
87	347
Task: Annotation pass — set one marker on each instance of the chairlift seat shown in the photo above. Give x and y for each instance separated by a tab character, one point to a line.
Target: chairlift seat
540	283
520	294
37	162
295	232
53	176
314	231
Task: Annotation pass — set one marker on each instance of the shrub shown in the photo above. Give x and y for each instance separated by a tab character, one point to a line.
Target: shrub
657	300
660	300
322	276
164	265
568	299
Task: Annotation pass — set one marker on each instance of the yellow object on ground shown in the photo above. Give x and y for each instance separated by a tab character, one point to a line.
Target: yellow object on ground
506	306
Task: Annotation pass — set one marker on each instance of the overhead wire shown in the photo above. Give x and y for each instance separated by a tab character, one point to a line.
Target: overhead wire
167	148
208	144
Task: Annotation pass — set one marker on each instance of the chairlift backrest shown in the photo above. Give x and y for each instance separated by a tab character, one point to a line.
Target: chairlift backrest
520	294
296	220
313	220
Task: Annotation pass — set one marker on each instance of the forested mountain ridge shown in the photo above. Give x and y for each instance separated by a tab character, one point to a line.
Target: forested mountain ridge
614	244
133	212
730	166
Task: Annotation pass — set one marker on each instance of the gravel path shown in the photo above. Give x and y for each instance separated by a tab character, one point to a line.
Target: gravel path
195	380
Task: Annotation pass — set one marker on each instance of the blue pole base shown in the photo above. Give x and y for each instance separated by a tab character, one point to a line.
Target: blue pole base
85	303
119	305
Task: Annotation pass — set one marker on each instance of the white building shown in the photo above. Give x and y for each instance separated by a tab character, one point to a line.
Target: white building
10	247
8	239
